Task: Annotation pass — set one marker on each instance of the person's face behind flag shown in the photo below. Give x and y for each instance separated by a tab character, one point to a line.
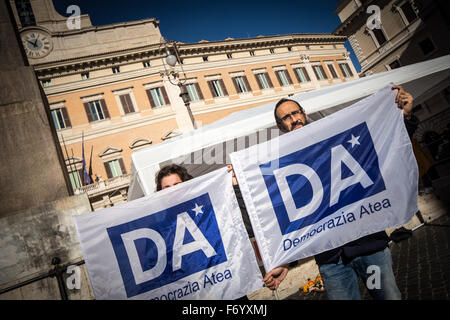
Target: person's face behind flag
290	115
170	181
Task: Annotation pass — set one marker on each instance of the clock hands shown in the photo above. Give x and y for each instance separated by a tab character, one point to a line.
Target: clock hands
30	42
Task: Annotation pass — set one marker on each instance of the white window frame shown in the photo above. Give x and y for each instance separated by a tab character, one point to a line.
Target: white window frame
98	107
374	38
399	9
217	88
388	67
74	165
322	77
59	118
129	91
301	75
75	179
115	169
192	92
55	107
264	83
344	67
158	97
329	69
241	84
283	78
110	154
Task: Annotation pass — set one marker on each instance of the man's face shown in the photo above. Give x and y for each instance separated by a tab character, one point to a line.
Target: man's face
291	117
170	180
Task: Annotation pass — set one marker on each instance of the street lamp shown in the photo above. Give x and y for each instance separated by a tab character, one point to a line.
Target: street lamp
173	76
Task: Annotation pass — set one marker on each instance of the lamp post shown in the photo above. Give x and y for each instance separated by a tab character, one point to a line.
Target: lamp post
171	59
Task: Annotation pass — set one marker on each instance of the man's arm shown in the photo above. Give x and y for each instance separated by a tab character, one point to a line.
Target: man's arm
404	101
273	278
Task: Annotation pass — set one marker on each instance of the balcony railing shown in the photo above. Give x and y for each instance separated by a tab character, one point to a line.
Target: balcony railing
104	186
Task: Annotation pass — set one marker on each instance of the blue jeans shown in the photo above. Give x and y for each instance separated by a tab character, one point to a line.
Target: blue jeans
341	281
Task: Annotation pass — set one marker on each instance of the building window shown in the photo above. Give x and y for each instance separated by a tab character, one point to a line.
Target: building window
158	97
60	118
205	58
302	74
75	179
241	84
264	81
146	64
85	76
272	50
96	110
320	73
115	168
217	88
252	53
25	12
426	46
283	77
394	64
194	92
229	56
346	70
408	12
115	69
379	36
127	104
46	83
332	71
289	48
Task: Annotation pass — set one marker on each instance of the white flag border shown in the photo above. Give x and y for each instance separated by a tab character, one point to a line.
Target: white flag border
256	222
108	217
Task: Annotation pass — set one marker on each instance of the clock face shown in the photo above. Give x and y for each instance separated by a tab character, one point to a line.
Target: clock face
37	44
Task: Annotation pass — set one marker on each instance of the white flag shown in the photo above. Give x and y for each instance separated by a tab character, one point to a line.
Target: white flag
333	181
184	242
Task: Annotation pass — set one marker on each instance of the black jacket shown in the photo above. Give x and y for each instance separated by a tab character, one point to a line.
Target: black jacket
368	244
244	213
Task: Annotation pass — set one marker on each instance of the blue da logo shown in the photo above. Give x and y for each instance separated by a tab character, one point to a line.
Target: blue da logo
168	245
313	183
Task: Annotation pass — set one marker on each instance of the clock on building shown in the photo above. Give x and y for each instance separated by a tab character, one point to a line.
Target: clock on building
37	43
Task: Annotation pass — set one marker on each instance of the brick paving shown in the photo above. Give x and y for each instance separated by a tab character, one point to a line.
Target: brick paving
421	265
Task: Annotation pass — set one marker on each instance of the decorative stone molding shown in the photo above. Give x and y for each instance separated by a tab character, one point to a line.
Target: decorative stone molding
110	153
139	143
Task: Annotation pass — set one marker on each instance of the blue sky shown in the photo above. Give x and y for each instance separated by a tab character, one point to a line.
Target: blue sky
190	21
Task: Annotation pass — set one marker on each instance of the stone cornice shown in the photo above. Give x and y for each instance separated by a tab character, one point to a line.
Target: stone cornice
188	68
116	58
106	27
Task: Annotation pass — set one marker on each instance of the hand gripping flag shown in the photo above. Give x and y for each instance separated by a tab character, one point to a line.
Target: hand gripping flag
333	181
184	242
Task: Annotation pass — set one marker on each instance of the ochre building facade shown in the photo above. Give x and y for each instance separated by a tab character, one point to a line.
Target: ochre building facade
109	92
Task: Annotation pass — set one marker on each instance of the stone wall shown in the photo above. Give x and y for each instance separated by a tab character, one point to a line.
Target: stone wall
30	162
31	238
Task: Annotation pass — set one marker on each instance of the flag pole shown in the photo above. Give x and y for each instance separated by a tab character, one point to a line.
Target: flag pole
70	160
